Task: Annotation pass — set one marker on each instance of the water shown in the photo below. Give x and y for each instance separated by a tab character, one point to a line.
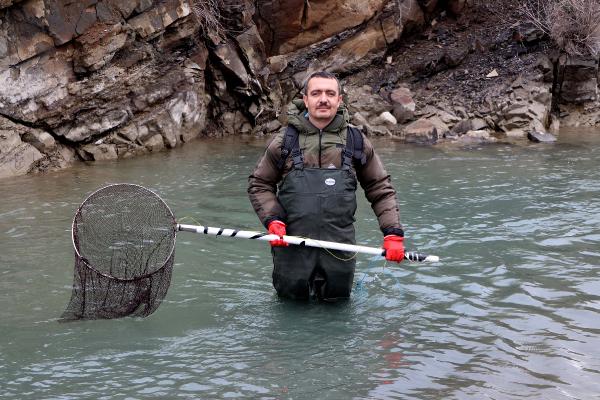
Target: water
511	311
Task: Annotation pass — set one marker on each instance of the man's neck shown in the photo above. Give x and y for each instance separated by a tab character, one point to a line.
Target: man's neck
320	124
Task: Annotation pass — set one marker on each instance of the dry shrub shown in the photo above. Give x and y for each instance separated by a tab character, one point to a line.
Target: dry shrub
218	18
208	15
574	25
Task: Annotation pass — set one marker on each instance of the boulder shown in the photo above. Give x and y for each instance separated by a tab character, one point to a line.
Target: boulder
403	105
541	137
98	152
362	99
421	131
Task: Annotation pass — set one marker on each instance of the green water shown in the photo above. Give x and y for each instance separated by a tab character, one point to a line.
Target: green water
511	311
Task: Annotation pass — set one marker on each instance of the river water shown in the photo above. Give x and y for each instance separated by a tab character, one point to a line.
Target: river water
511	311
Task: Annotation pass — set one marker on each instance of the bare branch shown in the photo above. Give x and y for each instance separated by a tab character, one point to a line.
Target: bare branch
574	25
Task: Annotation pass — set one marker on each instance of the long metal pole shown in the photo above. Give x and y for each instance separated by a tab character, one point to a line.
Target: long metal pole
301	241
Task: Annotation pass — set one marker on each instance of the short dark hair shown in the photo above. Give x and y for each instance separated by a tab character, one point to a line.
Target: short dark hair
321	74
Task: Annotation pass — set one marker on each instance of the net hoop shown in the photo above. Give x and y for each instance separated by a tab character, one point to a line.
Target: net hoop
83	259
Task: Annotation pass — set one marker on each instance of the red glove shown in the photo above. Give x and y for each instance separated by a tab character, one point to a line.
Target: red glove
394	248
277	227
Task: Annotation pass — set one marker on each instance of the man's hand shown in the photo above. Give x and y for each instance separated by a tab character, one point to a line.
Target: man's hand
394	248
277	227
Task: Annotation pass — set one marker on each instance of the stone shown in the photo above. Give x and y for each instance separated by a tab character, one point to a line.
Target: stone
440	125
385	118
478	124
93	123
98	152
462	127
98	46
541	137
477	137
403	104
34	80
253	48
231	61
538	111
421	131
480	133
42	141
515	133
155	143
362	99
16	157
277	63
154	20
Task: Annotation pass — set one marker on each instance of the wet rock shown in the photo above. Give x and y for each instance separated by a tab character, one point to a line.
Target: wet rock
482	134
16	156
541	137
479	137
421	131
441	127
155	143
98	152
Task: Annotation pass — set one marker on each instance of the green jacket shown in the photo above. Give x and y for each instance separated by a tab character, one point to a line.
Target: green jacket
322	149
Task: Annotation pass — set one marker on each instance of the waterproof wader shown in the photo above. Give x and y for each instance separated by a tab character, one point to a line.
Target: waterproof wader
320	204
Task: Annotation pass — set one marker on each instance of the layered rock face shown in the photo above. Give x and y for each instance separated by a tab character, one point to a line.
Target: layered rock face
97	80
106	79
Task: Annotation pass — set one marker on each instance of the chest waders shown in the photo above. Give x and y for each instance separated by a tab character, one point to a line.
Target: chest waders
320	203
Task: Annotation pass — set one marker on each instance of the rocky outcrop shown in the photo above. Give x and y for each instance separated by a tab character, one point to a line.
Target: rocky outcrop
104	79
111	79
580	80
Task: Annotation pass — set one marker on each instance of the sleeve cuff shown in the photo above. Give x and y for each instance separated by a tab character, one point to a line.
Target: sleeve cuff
393	231
271	219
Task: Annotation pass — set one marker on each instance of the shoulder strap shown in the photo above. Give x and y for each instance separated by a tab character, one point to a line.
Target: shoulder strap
354	148
291	144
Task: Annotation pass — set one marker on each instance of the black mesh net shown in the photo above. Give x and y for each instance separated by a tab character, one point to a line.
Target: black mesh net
124	239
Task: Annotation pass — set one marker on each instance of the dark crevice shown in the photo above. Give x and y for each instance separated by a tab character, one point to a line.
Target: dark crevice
40	126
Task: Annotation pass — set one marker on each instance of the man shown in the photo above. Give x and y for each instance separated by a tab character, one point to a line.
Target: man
311	194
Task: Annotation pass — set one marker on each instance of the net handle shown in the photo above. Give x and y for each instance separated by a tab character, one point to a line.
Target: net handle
301	241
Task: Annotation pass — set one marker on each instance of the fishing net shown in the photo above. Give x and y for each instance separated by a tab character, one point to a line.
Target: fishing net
124	240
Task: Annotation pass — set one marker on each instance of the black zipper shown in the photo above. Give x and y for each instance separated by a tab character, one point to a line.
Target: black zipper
320	137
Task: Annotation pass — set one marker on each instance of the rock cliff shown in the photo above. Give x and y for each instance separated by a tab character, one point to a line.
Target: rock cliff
105	79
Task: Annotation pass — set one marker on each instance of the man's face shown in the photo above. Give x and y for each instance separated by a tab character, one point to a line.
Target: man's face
322	99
